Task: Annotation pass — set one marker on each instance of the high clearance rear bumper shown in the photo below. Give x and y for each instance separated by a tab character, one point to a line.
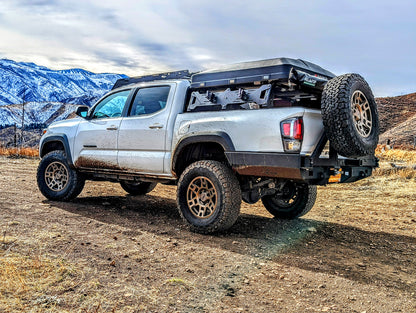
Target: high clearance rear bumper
315	171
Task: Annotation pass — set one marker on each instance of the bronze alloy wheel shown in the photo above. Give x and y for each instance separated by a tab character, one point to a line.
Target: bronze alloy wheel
362	114
56	176
202	197
208	196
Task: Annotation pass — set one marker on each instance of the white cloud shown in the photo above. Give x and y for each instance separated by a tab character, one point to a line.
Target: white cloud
137	37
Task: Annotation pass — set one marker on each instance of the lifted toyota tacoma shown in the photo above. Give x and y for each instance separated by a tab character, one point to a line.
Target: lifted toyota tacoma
269	130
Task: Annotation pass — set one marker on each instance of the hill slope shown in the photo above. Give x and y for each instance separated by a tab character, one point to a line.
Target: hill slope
398	119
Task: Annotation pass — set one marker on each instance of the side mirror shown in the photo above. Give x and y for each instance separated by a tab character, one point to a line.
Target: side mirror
82	111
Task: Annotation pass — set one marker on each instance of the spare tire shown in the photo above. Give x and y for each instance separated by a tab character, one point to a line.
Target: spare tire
350	116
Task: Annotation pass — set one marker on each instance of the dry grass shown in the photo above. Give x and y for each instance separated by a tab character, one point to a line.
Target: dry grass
387	170
27	282
20	152
400	163
39	283
36	282
397	155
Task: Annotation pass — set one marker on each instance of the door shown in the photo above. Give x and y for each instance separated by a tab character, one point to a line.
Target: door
142	135
96	139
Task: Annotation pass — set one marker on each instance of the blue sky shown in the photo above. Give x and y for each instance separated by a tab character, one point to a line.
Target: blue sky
374	38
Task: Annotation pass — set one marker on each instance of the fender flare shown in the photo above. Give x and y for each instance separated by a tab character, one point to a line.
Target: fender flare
221	138
62	138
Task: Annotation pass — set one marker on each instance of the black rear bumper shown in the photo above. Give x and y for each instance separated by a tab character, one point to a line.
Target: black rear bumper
312	169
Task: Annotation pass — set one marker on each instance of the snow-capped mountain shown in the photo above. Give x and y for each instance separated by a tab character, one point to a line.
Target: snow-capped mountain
49	95
27	82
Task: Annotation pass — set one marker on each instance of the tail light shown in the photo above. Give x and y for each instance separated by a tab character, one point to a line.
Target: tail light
292	134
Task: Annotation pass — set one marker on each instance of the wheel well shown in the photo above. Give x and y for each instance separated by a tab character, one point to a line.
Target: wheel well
51	146
196	152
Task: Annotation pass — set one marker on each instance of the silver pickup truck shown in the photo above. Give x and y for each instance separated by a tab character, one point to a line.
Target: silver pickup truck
267	130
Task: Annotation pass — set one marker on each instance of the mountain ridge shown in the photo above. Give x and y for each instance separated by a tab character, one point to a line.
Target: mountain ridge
41	89
28	82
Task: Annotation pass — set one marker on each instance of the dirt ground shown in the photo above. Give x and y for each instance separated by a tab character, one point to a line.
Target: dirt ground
110	252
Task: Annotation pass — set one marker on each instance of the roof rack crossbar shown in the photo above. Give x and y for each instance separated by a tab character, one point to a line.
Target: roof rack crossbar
184	74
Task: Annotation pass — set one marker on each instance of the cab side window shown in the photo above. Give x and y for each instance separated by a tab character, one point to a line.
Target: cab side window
149	100
112	106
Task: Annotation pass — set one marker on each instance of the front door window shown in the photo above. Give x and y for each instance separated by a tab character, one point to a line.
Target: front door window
112	106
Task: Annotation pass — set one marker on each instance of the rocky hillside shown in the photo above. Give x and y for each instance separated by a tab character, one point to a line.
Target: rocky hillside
398	119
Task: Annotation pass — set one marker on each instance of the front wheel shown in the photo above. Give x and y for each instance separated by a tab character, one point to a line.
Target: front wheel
56	179
208	197
295	201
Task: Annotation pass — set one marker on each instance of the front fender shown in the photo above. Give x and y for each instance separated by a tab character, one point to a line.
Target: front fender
56	138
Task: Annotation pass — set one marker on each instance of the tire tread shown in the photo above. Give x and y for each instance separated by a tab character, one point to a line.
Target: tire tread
76	181
337	119
231	196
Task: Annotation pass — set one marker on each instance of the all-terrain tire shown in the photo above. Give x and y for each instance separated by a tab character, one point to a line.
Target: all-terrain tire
138	188
296	202
208	197
56	179
350	116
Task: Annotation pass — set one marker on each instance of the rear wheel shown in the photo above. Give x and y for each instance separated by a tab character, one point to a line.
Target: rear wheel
137	188
208	196
295	201
56	179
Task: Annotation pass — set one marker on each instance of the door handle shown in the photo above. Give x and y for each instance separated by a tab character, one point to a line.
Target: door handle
112	127
156	126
